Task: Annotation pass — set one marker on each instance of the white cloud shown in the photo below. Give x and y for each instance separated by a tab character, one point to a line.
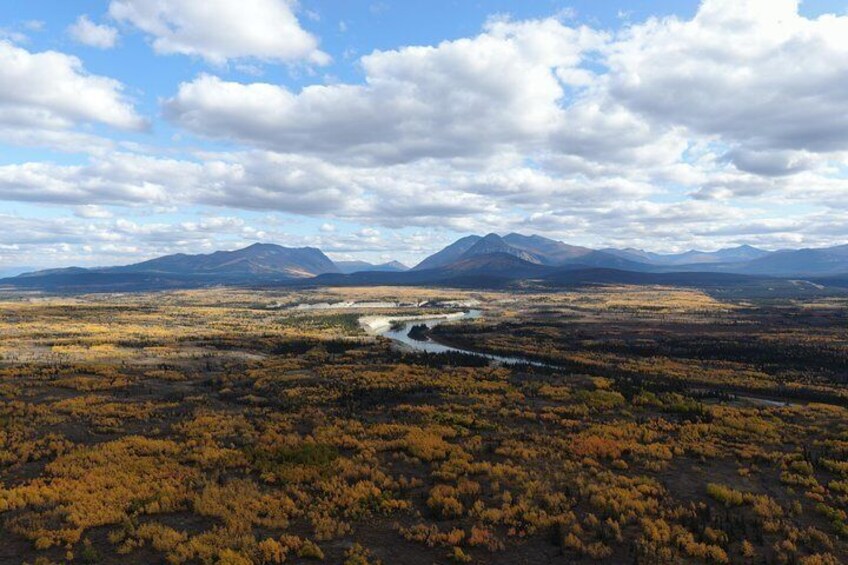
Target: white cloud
222	30
755	73
461	98
64	241
89	33
248	181
426	193
726	128
52	91
754	76
395	195
92	211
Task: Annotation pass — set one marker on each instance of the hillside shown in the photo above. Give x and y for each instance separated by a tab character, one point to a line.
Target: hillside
449	254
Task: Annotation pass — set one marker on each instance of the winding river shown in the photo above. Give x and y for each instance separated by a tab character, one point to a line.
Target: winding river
388	326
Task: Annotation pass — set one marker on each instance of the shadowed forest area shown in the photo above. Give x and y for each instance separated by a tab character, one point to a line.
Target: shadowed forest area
238	427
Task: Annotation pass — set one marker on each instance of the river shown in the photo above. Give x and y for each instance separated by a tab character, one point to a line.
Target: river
387	326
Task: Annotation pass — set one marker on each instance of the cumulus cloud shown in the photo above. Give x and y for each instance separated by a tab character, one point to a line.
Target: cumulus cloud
669	132
89	33
755	73
471	131
247	181
92	211
45	96
65	241
772	162
222	30
99	240
460	98
421	194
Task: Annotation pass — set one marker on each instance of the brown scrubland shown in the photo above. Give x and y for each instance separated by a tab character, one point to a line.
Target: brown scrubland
227	426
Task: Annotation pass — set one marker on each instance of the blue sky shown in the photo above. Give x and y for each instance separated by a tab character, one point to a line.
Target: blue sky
386	129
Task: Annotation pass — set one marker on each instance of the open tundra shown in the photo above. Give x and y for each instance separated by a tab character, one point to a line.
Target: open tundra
616	423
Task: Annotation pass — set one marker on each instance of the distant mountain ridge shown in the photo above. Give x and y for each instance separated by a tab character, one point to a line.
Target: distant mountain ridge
729	255
820	262
743	259
14	271
256	259
485	260
549	251
449	254
348	267
261	260
494	243
533	249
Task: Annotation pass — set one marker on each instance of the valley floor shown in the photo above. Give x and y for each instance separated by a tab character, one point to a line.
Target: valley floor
238	427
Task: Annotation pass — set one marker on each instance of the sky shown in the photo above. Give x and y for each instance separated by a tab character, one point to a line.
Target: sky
386	129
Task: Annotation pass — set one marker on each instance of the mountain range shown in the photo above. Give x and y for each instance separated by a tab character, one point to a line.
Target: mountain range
692	257
260	260
358	266
471	260
743	259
